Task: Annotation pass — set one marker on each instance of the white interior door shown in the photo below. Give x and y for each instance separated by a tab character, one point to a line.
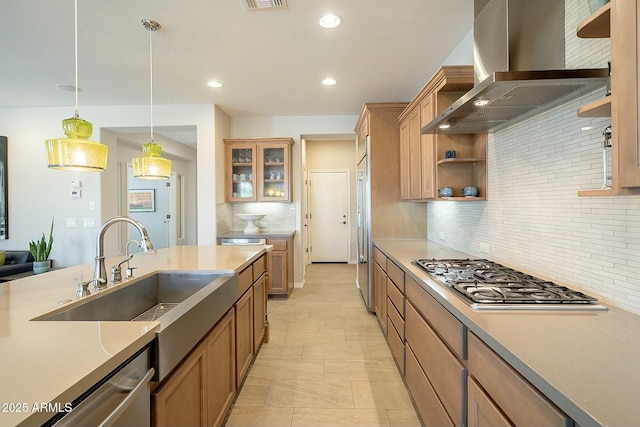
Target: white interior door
329	215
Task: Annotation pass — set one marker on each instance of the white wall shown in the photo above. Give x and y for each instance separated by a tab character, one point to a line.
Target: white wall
36	193
534	219
294	127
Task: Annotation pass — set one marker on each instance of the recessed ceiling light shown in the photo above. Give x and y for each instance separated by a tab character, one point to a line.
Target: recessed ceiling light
330	21
329	82
69	88
214	84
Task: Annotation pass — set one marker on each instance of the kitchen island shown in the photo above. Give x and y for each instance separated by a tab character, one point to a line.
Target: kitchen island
51	363
584	362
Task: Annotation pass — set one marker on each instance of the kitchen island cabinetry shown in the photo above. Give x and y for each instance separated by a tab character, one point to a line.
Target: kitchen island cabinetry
202	387
425	159
619	20
258	170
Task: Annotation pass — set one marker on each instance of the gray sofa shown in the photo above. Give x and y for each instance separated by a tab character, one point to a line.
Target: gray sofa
16	262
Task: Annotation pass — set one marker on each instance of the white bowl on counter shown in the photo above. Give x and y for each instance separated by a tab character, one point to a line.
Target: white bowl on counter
250	219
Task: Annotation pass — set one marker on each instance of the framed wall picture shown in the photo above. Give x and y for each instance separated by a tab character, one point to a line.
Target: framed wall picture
142	200
4	190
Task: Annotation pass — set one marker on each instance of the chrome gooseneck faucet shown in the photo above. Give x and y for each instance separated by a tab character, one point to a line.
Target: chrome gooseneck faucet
100	272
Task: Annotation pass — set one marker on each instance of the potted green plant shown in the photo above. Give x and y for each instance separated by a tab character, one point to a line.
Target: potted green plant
40	250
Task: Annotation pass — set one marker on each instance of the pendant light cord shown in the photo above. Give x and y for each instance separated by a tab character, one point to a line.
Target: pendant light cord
76	54
150	79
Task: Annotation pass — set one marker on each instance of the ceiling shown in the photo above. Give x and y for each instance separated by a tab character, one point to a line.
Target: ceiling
271	62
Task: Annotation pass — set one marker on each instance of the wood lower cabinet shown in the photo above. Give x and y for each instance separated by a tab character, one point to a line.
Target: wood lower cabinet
280	266
220	369
180	401
521	403
429	407
260	320
481	410
380	295
244	335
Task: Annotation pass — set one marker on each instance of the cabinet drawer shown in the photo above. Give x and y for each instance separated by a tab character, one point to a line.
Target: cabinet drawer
481	409
395	318
380	258
246	279
278	244
396	275
518	399
446	374
430	408
259	267
451	330
396	297
396	344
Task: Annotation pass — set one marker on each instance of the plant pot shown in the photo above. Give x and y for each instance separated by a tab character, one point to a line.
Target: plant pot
41	266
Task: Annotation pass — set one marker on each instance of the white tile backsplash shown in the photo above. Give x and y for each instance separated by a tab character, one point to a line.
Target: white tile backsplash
533	218
278	216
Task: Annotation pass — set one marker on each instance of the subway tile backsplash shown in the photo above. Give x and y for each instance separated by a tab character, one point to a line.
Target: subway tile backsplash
533	219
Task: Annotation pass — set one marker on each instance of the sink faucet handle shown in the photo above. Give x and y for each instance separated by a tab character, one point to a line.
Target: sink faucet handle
83	287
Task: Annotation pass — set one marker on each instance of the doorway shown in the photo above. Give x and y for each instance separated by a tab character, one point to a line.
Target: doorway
329	215
159	213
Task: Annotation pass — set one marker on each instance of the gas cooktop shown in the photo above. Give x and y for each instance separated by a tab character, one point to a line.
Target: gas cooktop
486	284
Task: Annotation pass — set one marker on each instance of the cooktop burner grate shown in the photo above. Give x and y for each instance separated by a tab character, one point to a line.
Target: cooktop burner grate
486	282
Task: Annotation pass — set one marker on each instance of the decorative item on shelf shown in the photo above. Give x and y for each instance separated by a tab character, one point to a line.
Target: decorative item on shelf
76	152
40	250
251	219
470	191
151	165
450	154
608	93
445	192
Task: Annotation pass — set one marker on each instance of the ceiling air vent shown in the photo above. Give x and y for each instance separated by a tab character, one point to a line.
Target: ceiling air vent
265	4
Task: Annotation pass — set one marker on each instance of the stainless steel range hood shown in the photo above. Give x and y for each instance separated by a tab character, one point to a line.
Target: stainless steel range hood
519	65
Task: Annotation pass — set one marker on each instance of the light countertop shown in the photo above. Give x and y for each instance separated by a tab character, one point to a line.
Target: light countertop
46	362
586	362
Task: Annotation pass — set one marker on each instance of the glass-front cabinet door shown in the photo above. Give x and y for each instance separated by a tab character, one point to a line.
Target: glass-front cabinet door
258	169
241	173
275	175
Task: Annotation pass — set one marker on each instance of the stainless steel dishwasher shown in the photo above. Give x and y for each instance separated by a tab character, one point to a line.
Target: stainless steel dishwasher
242	242
122	399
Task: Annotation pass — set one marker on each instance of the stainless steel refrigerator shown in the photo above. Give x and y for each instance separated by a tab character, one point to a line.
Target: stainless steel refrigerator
363	209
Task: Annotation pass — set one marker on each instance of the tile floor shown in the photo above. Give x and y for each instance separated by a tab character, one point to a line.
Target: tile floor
326	364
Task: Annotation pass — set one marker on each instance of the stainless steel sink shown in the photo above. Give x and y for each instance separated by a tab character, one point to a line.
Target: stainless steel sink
130	301
187	305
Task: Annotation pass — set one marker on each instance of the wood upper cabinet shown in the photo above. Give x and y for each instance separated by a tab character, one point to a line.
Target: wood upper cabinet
620	20
425	162
258	170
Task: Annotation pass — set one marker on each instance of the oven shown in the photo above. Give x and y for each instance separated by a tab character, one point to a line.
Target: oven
487	285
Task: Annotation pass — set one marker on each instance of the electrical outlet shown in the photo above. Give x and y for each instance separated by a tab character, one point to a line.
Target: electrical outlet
71	222
484	247
89	222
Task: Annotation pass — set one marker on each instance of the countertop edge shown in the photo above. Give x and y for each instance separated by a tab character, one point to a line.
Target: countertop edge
577	413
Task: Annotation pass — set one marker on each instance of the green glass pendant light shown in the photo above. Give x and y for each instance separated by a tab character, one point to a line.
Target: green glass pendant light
76	152
151	165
